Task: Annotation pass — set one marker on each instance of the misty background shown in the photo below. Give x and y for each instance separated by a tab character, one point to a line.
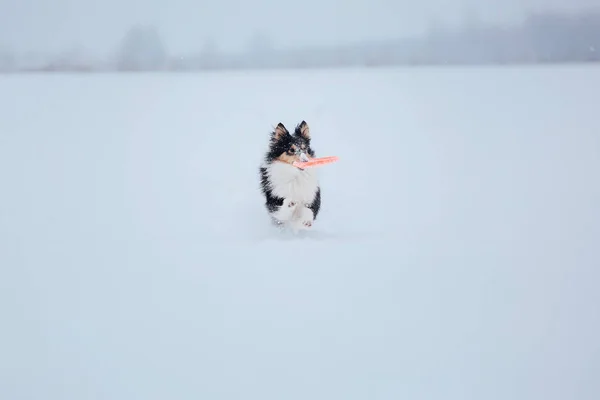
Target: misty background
455	256
131	35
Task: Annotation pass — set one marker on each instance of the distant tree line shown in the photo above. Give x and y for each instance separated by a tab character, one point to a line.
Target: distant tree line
540	38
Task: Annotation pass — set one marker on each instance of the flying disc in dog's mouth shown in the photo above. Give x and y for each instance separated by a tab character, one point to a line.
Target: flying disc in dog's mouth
315	162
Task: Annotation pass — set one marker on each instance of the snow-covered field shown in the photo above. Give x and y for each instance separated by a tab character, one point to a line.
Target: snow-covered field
456	256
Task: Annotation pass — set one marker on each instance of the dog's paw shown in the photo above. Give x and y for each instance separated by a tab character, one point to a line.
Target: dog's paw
287	203
306	218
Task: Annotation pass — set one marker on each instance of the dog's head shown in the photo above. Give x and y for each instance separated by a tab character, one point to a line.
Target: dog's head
288	148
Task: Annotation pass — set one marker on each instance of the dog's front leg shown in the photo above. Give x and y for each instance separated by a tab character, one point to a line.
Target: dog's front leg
304	218
285	211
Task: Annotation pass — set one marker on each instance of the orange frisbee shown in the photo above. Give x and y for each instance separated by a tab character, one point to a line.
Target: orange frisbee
315	162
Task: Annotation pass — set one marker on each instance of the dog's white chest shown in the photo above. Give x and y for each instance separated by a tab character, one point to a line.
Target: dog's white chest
289	182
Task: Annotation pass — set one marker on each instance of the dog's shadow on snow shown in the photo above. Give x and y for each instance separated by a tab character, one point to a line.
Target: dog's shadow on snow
255	226
251	223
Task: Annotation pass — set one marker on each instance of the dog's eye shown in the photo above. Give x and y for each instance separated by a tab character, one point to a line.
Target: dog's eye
291	151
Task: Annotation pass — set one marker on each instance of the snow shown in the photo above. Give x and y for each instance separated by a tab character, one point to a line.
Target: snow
455	256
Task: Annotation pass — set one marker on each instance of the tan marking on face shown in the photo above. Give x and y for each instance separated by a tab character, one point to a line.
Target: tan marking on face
286	158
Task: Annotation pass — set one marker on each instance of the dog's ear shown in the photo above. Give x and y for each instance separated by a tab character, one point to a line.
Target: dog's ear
279	132
303	130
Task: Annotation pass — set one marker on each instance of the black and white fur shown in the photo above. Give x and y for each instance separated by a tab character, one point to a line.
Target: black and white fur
292	195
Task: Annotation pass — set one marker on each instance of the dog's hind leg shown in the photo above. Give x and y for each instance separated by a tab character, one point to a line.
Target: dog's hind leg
315	206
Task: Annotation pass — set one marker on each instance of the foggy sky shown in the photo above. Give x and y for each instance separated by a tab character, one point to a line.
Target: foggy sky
98	25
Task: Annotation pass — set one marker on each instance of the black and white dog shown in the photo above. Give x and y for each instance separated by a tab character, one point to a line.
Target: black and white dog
292	195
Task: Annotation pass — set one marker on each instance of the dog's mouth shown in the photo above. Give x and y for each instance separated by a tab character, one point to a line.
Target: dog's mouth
302	158
293	160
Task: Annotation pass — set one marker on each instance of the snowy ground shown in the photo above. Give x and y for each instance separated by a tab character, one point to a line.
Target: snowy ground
456	256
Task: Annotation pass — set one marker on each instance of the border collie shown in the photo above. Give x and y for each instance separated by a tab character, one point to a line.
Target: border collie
292	195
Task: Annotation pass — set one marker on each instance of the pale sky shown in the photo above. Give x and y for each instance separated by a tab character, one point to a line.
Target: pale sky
98	26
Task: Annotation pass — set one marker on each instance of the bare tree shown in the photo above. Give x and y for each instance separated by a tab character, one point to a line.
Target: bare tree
142	49
7	60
